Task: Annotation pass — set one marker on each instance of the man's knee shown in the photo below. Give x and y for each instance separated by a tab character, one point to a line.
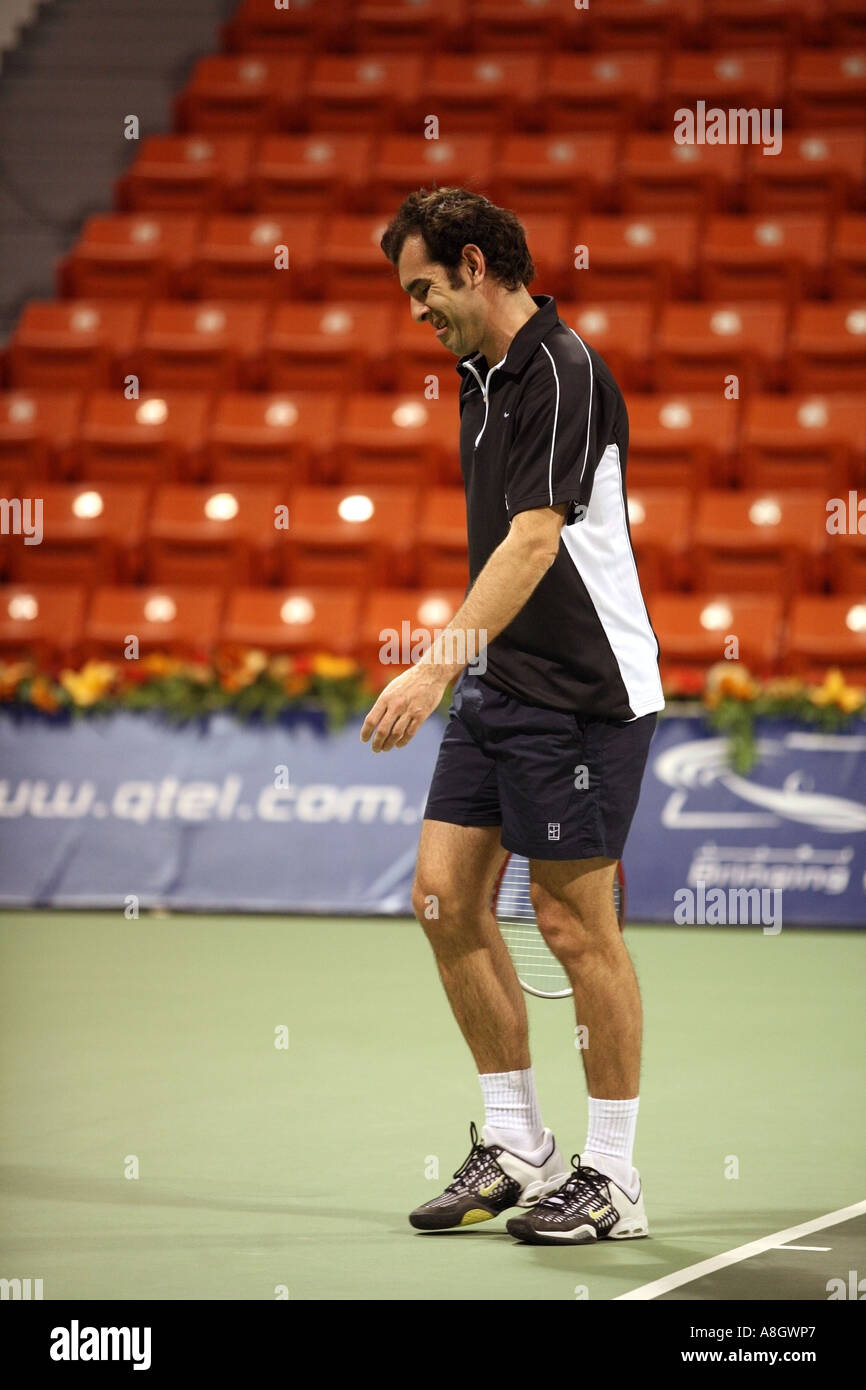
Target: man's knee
443	905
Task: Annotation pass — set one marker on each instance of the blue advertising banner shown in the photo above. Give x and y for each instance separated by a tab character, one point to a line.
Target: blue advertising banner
288	818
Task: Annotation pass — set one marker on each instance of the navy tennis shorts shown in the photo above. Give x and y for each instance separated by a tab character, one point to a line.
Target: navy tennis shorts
561	786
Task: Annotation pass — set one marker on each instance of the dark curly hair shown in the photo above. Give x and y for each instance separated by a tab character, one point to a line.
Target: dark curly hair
451	218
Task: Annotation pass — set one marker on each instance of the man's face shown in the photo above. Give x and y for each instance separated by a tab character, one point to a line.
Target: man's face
456	315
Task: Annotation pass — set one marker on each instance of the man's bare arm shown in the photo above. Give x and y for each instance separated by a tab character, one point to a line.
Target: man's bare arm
502	589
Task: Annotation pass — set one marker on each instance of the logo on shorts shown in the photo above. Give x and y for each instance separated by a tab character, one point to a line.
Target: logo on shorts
553	830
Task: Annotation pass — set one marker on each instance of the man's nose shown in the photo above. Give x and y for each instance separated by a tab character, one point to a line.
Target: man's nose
419	310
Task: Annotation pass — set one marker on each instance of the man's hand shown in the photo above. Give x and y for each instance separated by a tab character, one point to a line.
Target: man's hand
403	706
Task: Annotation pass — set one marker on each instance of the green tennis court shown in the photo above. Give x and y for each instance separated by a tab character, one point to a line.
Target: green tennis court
264	1167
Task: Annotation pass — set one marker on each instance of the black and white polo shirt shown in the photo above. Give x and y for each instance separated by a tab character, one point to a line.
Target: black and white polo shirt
548	424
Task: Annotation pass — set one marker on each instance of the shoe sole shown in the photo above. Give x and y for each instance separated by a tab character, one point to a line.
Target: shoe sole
522	1229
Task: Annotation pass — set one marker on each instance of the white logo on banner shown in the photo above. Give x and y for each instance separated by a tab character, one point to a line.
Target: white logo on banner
689	768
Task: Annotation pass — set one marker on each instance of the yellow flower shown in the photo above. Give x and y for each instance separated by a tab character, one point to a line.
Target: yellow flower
834	691
335	668
89	684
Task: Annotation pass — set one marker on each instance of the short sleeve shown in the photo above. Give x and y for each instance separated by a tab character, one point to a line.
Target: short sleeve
555	446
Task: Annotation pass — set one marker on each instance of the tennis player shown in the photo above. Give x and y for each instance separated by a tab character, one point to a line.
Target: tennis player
549	728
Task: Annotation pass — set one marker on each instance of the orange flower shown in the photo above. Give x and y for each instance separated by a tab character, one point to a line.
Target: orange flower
334	668
158	664
43	696
297	684
729	680
834	691
91	683
12	673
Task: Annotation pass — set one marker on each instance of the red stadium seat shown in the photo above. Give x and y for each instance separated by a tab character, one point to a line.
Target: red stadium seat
398	439
828	347
681	440
846	22
828	87
740	79
188	174
364	91
604	91
546	173
660	522
352	539
642	24
207	535
847	547
353	266
483	91
803	441
201	347
443	551
133	254
816	171
404	162
525	24
295	620
781	255
258	26
154	439
396	621
167	618
265	437
339	346
37	430
408	25
694	630
825	632
621	332
698	346
90	535
645	257
659	175
251	93
312	173
760	542
72	346
258	257
764	23
43	621
848	257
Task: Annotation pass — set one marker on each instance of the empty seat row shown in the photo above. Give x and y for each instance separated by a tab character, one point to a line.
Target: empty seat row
651	256
689	439
811	170
270	27
358	345
752	541
515	90
63	622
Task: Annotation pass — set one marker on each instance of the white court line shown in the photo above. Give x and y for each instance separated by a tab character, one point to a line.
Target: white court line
742	1252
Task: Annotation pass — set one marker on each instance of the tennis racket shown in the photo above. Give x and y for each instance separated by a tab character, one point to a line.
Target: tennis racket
538	970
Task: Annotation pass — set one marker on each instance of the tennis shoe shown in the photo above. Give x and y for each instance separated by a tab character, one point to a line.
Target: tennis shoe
489	1181
588	1207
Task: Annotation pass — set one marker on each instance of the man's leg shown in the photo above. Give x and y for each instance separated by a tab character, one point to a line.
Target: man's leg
517	1161
457	869
573	902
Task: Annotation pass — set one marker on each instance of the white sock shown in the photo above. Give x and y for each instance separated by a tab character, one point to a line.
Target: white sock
610	1141
511	1109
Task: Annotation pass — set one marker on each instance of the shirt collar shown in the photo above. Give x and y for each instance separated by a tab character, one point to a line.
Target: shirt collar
524	342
